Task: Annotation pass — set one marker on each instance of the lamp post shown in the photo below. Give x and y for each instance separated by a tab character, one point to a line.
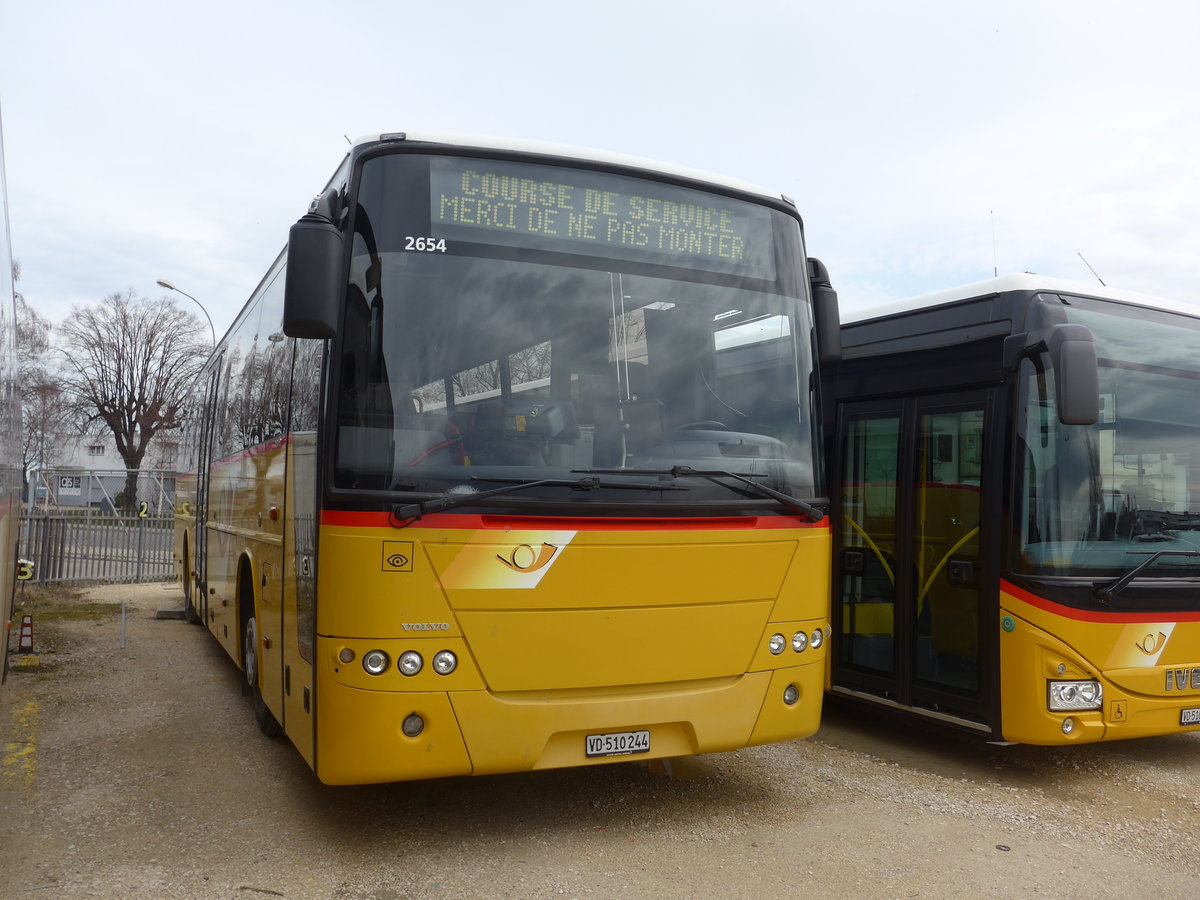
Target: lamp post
162	282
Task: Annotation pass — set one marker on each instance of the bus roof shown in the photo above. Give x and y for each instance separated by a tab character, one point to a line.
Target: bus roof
566	151
1012	283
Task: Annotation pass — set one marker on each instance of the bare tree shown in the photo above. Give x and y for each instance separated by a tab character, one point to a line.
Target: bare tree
43	410
129	363
47	420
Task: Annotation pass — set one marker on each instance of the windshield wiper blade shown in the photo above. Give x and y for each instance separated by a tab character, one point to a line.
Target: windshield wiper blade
412	511
1104	593
810	511
618	485
1155	521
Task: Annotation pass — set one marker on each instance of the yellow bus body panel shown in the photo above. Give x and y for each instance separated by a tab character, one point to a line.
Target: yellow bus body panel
1130	655
560	634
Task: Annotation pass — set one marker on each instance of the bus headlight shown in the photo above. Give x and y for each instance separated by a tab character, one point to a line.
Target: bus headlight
410	662
799	641
375	662
776	644
1067	696
817	639
445	663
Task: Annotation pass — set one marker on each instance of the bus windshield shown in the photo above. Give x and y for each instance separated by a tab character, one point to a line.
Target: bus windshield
1100	500
510	321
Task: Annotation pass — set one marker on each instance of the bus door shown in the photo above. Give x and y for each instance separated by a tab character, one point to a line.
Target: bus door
907	552
200	551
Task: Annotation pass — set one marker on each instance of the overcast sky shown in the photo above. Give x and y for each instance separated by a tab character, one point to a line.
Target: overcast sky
925	142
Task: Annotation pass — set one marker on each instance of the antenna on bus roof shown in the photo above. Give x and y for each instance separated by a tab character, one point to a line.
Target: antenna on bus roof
995	263
348	141
1089	265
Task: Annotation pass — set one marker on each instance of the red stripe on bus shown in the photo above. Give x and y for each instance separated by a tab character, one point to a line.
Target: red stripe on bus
476	522
1088	615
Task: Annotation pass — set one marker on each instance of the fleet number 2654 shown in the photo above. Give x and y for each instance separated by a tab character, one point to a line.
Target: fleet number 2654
425	244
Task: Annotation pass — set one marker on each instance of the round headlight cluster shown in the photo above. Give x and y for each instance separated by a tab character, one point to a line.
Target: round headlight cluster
801	641
376	662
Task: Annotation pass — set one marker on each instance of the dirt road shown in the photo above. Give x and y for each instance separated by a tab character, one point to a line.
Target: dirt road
138	772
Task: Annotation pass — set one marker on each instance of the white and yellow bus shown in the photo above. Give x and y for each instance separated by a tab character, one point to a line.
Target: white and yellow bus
510	462
1017	544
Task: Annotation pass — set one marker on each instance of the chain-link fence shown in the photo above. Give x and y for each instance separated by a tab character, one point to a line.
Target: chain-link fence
73	528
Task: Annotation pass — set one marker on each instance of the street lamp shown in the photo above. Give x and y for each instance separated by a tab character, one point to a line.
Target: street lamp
162	282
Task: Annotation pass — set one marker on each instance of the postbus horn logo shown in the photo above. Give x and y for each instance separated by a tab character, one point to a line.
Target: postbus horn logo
524	558
1151	644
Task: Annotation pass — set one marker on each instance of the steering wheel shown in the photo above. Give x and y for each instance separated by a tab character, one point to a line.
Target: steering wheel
457	454
706	425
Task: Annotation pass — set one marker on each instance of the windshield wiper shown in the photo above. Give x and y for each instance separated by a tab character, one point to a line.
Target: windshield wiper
1156	523
408	513
1104	593
810	511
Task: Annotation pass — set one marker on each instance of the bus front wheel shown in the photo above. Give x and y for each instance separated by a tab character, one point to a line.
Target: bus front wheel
267	723
189	606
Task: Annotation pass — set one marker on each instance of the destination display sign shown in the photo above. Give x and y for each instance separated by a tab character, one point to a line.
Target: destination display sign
599	214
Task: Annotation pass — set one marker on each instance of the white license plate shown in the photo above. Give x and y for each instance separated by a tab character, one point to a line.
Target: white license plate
1190	716
619	743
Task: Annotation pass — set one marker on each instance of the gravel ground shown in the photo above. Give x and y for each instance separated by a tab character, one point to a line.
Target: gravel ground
138	772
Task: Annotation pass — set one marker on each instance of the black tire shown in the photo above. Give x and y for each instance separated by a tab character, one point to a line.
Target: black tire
267	723
189	607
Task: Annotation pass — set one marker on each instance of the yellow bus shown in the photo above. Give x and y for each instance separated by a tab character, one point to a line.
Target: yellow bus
510	463
11	475
1016	549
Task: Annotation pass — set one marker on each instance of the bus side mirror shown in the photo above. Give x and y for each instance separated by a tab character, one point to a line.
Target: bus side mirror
825	312
1072	352
311	288
1076	374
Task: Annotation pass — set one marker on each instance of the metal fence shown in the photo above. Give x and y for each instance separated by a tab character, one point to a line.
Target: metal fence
72	548
72	529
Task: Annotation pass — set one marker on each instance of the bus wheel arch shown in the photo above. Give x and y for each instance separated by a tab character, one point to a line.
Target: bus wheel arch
252	650
190	613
